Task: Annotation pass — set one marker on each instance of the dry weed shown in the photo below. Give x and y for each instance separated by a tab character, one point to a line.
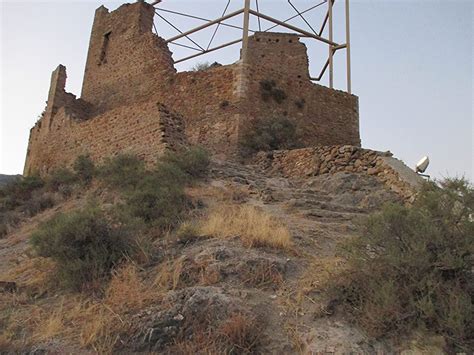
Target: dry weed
312	285
262	275
33	274
128	292
184	272
90	323
99	327
50	324
169	274
239	333
253	226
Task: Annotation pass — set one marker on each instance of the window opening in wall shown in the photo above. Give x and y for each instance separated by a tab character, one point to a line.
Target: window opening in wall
103	51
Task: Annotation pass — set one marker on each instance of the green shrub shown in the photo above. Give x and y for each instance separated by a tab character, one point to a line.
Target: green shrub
156	197
8	220
84	168
270	134
204	66
201	66
412	266
193	162
59	178
84	244
157	201
18	191
37	203
123	171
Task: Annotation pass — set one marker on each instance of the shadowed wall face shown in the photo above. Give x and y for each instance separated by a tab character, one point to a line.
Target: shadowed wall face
133	100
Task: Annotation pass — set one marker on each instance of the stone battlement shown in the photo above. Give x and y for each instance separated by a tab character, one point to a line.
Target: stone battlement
133	99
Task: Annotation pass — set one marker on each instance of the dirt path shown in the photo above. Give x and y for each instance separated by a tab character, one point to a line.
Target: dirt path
320	213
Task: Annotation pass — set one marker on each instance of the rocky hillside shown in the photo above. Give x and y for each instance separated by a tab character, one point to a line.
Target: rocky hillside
246	272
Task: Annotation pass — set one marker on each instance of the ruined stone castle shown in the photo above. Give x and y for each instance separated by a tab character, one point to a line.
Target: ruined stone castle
133	99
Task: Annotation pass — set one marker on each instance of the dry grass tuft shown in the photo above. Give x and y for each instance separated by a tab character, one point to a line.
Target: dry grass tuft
99	327
262	275
201	343
50	325
33	274
169	274
128	292
239	333
312	286
253	226
99	324
184	272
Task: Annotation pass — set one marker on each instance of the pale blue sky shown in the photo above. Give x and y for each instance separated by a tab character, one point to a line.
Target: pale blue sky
412	66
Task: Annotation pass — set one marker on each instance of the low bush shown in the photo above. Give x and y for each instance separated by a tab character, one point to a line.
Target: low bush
59	178
201	66
8	220
37	203
205	65
85	245
123	171
412	267
84	168
18	191
270	134
157	196
157	203
194	162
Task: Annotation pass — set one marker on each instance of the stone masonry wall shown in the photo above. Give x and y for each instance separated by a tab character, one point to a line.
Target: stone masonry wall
145	129
130	70
331	159
126	61
324	116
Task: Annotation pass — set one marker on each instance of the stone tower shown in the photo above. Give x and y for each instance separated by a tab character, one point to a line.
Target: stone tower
133	99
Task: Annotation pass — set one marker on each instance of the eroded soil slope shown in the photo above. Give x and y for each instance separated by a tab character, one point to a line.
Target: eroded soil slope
281	290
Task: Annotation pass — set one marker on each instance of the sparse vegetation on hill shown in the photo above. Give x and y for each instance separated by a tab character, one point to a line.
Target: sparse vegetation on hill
412	267
21	198
84	244
122	172
84	168
87	244
27	196
5	179
157	259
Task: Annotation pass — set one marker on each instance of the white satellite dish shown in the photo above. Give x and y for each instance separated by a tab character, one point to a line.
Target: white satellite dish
422	165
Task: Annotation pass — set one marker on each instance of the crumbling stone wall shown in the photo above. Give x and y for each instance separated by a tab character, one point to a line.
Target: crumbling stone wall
129	71
126	61
149	129
346	158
